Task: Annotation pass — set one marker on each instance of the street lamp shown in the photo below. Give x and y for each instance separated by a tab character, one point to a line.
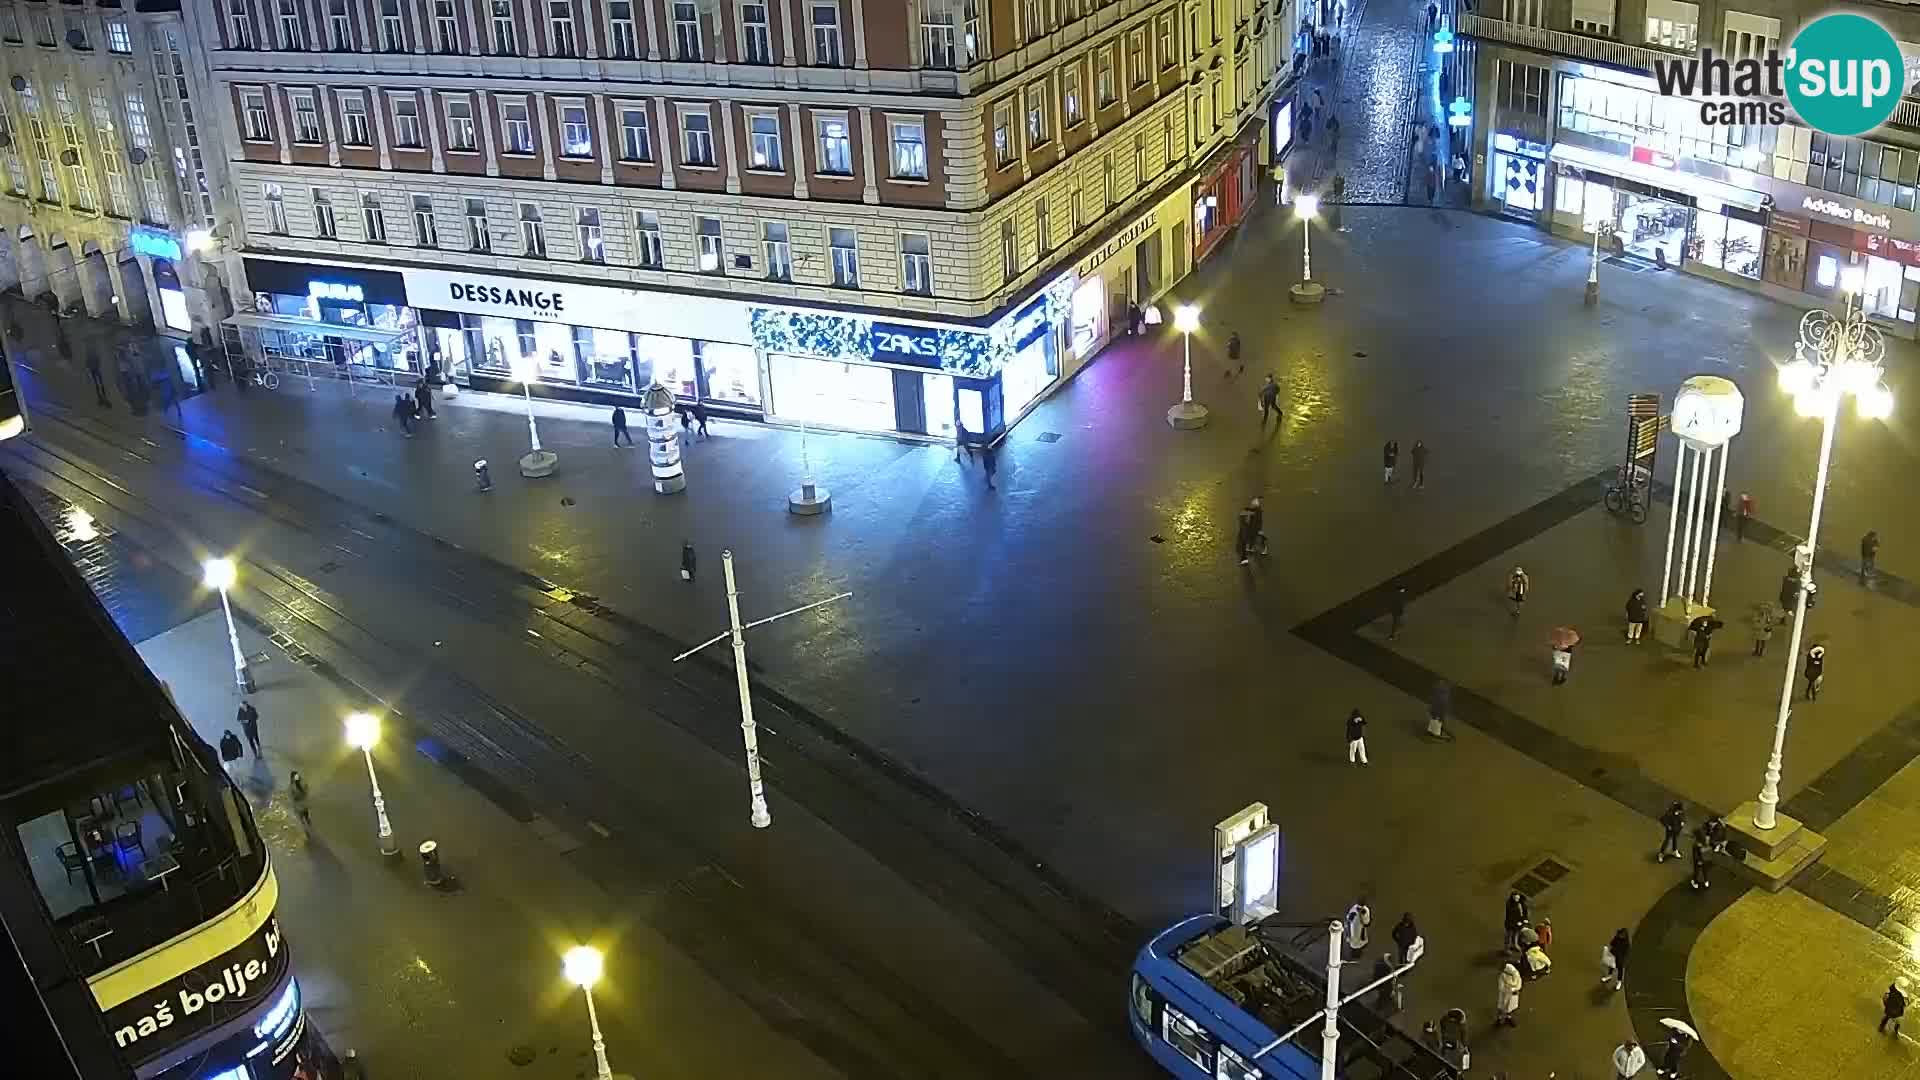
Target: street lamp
1834	358
363	730
1189	413
1593	267
583	966
220	574
1307	291
535	462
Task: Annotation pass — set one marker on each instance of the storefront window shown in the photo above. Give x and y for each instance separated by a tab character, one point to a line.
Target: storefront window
857	396
1026	375
1890	288
667	361
1089	308
732	373
1727	242
1786	262
1654	228
1518	181
606	358
938	392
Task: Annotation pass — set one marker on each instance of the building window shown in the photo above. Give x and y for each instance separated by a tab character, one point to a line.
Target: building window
406	122
686	31
916	264
460	132
1193	33
479	237
560	28
118	197
696	129
276	209
626	43
1003	135
43	31
939	37
845	249
1035	18
1139	160
533	231
636	144
576	137
1138	69
646	231
1042	235
425	232
1037	128
712	253
518	126
392	38
339	27
1009	252
593	248
1670	23
1168	57
505	42
763	136
373	218
909	149
306	117
826	34
756	33
239	25
1074	216
1070	96
446	27
10	25
119	37
1166	143
1108	182
836	147
773	235
324	225
1103	77
253	104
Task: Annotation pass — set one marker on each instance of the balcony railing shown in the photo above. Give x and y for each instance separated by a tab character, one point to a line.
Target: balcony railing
1637	58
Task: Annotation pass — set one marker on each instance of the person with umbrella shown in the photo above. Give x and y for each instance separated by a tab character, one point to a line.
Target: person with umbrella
1702	630
1561	641
1681	1038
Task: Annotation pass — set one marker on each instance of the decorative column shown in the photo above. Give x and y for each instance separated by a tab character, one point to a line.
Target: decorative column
1707	414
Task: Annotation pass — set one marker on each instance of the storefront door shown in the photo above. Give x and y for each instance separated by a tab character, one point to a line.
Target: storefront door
1520	183
1654	228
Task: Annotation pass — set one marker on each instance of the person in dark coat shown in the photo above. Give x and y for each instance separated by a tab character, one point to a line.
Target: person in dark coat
1419	464
1243	537
1636	616
1405	933
1259	515
423	399
1233	355
1701	862
403	412
1672	824
1816	670
230	750
99	381
700	418
1439	707
1397	607
249	718
1356	738
1676	1054
1390	456
620	426
297	795
1702	640
1133	320
1269	401
989	461
1893	1005
1869	548
686	561
962	440
1517	916
1619	946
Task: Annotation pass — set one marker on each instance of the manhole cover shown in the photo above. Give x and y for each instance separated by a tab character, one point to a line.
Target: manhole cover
1359	356
1551	870
1529	886
521	1055
1049	436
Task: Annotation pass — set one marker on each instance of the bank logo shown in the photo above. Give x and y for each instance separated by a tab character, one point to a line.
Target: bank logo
1843	74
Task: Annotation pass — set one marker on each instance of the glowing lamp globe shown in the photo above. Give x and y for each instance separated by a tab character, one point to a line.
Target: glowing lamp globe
363	730
1797	377
1707	411
1186	318
1306	206
1874	403
218	573
583	965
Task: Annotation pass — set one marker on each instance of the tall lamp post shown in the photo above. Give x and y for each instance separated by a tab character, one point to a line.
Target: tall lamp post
583	966
219	574
1188	414
363	730
1307	290
535	462
1593	267
1834	358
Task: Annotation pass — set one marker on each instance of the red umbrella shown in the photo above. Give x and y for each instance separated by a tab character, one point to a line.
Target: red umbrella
1563	637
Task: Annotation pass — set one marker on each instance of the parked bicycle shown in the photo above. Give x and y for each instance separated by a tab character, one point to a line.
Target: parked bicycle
264	375
1630	492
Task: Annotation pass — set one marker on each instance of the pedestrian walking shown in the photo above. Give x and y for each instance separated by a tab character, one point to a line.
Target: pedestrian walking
1358	925
403	412
1636	616
1672	824
1506	1002
423	399
1517	916
1893	1005
1544	932
1628	1060
249	718
1433	15
1517	586
1617	948
700	417
1243	537
1269	402
1233	355
1397	607
1762	629
1134	319
1389	456
99	382
687	560
1452	1039
1258	515
620	426
1816	670
1356	738
1419	464
1439	707
990	462
1713	832
1405	933
1677	1043
230	750
1869	547
297	795
1742	515
962	441
1702	640
1562	663
1701	862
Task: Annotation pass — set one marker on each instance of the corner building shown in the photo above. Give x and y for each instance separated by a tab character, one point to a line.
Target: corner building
1569	128
895	216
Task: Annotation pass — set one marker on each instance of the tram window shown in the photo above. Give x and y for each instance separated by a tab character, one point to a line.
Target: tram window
1187	1038
1235	1067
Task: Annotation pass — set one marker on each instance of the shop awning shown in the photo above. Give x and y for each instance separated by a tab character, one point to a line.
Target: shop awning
290	324
1698	186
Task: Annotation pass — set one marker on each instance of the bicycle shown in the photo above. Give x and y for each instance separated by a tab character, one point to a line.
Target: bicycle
1628	493
265	377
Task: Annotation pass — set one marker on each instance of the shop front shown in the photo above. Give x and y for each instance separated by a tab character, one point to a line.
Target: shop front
1649	209
352	320
1132	265
1812	237
1224	193
1518	176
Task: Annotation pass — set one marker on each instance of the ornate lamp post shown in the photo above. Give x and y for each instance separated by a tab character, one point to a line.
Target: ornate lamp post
583	965
1189	413
536	462
363	731
1834	358
1307	291
219	574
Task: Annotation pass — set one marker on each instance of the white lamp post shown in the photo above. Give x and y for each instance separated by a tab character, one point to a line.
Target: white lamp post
1834	358
1307	291
1593	268
1188	414
219	574
535	462
583	966
1329	1015
363	730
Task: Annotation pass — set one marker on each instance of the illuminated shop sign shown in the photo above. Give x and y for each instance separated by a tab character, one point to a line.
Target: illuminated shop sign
201	997
337	290
956	351
1142	227
545	301
906	344
152	242
1853	215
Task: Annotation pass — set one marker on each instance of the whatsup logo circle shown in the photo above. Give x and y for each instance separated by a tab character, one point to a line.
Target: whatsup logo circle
1845	74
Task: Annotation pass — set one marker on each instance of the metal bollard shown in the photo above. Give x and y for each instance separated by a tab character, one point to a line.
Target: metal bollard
482	479
430	863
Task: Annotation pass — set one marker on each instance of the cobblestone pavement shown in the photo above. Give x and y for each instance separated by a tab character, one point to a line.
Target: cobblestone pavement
1077	657
1371	89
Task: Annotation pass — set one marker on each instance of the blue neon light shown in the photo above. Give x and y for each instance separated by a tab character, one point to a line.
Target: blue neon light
279	1018
1462	113
157	243
336	290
